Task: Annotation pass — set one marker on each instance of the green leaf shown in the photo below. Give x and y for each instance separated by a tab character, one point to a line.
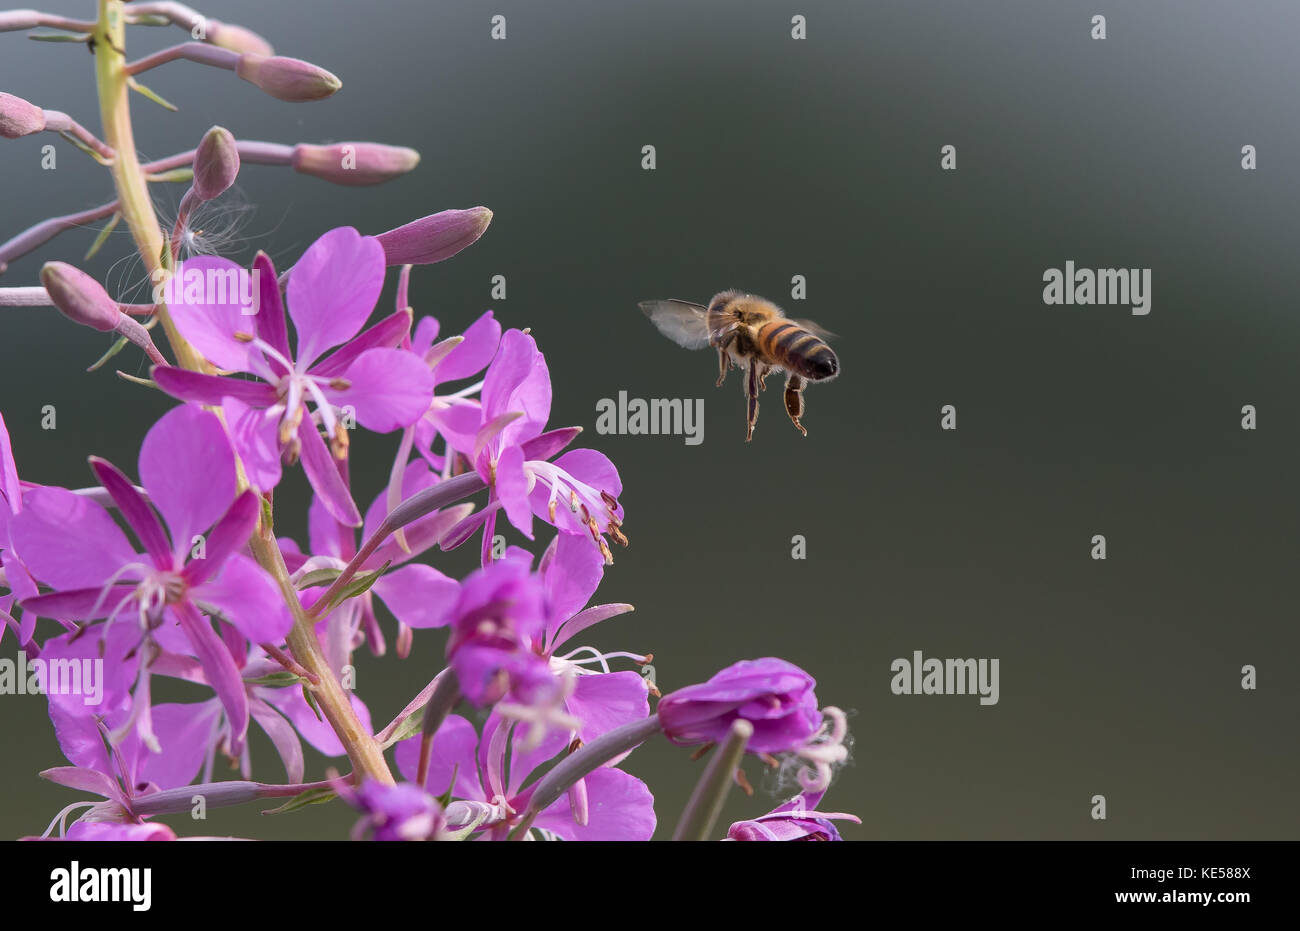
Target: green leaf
318	577
117	347
303	799
278	680
311	703
409	727
149	19
176	174
59	37
141	89
358	586
103	236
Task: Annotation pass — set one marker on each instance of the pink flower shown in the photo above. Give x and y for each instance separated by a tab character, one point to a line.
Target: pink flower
73	545
331	293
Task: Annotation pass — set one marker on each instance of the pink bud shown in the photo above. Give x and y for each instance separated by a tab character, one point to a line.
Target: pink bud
216	163
19	118
288	79
237	38
354	163
80	297
434	238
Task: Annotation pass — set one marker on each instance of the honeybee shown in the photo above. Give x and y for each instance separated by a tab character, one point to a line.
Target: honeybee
754	335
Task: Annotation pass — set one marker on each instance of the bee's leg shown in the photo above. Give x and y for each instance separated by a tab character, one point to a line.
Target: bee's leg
724	364
751	395
762	378
794	386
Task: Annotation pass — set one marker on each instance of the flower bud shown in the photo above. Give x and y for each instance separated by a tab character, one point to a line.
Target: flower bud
237	38
288	79
354	163
80	297
216	163
774	695
19	118
435	237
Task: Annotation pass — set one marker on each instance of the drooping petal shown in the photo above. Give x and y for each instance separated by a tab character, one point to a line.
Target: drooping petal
188	467
418	595
518	380
571	570
333	289
324	476
9	487
316	732
209	318
248	598
452	758
388	388
228	536
135	510
68	541
82	604
219	668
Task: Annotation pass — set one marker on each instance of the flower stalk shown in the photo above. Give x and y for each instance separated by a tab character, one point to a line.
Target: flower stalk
710	793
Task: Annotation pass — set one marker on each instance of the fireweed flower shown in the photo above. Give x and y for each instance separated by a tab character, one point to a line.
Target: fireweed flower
504	439
331	293
795	820
492	773
393	813
70	543
775	696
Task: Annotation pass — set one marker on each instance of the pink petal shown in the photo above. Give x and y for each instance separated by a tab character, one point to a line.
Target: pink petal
418	595
333	289
248	598
68	541
188	467
283	737
512	488
452	752
211	389
135	510
271	324
474	353
211	328
219	669
229	535
619	807
316	732
386	334
318	463
80	604
605	701
388	388
255	433
184	732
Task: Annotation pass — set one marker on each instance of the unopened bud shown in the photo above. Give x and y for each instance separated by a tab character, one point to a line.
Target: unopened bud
288	79
80	297
354	163
19	118
435	237
216	163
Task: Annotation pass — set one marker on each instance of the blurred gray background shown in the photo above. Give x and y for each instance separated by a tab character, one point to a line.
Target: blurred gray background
820	158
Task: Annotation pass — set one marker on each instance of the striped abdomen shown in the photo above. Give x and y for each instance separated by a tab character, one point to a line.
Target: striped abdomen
797	350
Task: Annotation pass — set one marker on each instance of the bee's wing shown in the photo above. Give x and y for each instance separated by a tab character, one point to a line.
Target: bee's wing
814	329
686	324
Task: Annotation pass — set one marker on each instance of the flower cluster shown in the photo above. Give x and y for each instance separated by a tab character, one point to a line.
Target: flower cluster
172	569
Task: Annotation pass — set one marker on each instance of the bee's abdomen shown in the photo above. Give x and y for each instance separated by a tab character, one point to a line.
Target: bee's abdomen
797	350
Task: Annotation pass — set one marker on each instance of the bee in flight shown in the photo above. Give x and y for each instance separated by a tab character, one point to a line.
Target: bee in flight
756	337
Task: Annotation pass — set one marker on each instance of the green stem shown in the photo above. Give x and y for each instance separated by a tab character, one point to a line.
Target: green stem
706	801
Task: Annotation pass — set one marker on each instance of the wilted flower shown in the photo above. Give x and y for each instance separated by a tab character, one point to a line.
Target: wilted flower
393	813
795	820
775	696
